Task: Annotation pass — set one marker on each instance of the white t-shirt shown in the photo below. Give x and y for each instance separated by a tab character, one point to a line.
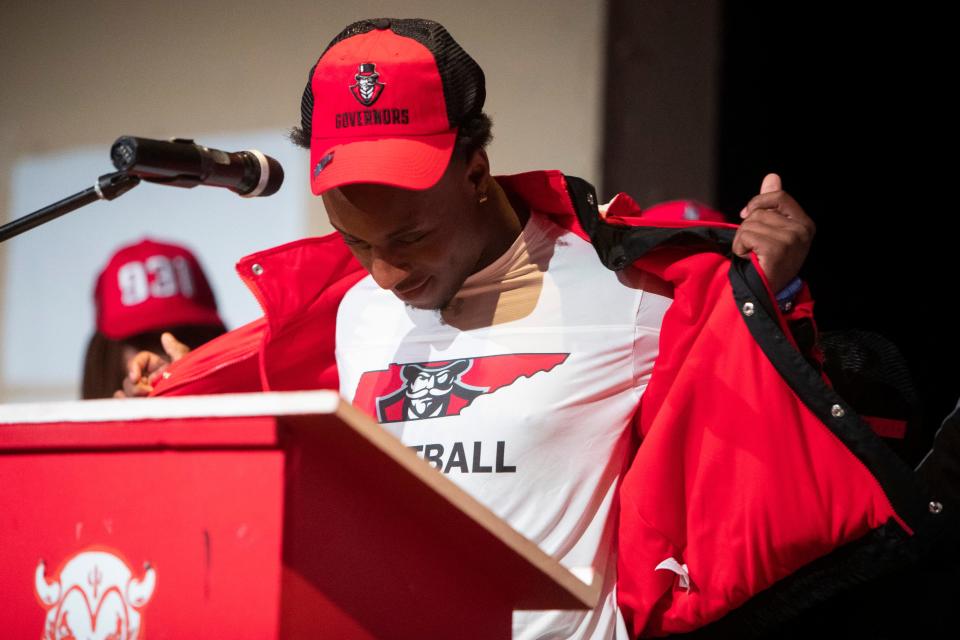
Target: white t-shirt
526	405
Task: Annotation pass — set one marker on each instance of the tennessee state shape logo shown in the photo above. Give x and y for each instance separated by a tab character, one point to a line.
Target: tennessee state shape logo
368	86
421	390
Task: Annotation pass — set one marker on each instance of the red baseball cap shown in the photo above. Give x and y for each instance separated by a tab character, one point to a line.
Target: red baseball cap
152	286
384	103
683	210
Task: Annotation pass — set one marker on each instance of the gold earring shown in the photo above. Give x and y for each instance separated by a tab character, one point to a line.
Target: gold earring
483	197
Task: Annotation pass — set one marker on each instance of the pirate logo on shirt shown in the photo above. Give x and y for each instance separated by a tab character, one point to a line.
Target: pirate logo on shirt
427	391
422	390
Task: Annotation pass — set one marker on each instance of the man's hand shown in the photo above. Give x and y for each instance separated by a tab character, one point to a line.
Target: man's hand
776	228
145	367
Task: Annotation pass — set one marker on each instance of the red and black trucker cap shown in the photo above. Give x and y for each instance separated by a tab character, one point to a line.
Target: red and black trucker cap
384	102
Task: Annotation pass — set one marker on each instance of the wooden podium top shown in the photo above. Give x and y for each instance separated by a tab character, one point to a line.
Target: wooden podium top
243	419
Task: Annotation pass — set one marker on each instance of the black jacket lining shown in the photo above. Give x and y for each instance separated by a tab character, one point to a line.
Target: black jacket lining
619	245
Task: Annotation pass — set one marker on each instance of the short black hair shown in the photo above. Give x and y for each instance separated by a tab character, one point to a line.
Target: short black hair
476	132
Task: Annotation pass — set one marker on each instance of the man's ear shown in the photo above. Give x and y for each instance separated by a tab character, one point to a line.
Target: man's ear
478	171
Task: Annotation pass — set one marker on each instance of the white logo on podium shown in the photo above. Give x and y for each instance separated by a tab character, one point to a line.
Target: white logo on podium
95	596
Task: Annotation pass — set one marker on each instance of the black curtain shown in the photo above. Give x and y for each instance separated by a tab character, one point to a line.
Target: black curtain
853	106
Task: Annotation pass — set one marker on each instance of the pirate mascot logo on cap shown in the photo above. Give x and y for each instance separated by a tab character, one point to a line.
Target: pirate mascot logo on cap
368	86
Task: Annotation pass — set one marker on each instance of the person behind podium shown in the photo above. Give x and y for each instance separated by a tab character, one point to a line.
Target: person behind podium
506	329
146	291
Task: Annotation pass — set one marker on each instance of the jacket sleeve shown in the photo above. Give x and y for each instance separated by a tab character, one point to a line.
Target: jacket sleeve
227	364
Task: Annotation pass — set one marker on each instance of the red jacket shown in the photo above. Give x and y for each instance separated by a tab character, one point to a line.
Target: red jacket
750	466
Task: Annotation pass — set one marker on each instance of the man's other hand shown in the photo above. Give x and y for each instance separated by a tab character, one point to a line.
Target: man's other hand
776	228
146	367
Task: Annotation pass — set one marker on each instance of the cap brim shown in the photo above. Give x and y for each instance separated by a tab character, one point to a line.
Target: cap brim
415	162
156	318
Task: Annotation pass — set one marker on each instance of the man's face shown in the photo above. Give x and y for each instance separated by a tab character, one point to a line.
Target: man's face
421	245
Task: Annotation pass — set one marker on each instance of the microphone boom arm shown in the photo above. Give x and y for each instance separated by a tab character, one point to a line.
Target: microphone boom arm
107	187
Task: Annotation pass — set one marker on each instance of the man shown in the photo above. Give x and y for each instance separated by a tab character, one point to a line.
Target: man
471	317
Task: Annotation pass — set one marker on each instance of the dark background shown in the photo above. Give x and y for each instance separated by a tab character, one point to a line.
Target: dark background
851	105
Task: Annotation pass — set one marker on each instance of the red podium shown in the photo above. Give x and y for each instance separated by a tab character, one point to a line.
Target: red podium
248	516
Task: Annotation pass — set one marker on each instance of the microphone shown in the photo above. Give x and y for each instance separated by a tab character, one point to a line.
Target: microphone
182	163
